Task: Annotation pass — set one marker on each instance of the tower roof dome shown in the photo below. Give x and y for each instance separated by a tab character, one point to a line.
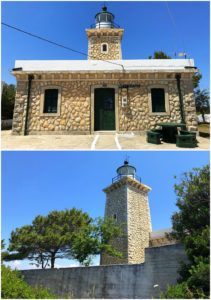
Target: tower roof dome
126	170
104	19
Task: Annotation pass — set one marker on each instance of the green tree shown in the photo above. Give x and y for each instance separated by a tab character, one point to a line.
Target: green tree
96	239
14	287
49	237
8	100
191	227
4	253
68	233
202	102
196	79
159	55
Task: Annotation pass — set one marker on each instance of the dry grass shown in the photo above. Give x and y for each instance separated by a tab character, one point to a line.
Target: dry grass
204	128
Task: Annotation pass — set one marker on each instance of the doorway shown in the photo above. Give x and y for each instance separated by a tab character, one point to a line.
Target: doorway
104	109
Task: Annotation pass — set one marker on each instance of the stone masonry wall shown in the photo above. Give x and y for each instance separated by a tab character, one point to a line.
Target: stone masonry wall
20	107
116	203
112	37
114	48
162	241
139	224
139	281
76	105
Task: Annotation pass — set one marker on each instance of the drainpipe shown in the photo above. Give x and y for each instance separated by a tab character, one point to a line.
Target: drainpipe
30	78
178	79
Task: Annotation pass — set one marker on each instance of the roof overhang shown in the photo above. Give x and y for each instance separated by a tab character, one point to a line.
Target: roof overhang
118	66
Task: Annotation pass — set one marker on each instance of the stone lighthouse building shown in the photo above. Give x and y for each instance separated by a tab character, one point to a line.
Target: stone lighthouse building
127	203
104	92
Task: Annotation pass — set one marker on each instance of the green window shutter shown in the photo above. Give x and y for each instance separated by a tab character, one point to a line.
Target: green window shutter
158	100
51	101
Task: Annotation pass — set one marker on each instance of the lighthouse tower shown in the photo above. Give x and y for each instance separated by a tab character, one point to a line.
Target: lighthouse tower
127	203
104	37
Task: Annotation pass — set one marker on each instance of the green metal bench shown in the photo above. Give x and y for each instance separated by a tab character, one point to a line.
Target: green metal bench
153	137
186	141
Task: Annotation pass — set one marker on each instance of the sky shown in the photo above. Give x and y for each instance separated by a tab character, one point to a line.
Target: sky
149	26
37	182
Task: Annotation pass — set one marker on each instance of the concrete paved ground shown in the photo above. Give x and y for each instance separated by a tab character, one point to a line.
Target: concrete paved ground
87	142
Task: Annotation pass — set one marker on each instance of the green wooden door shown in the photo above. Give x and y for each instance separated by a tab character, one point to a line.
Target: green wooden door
104	109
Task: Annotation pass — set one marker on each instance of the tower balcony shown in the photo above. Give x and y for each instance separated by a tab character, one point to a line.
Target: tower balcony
120	176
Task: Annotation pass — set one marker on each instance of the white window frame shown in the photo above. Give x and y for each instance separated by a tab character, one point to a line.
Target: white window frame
166	94
43	99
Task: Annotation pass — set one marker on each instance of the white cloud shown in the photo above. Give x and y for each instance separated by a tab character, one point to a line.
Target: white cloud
16	264
66	265
60	263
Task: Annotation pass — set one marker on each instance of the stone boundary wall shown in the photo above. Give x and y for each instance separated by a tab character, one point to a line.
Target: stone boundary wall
114	281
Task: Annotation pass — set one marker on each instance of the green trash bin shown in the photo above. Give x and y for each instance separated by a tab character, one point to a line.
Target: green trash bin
158	131
153	137
186	141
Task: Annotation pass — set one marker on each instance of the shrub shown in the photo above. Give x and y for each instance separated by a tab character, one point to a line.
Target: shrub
14	287
182	291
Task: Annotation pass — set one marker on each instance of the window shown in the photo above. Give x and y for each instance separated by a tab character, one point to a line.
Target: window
109	18
103	17
50	101
115	217
158	100
104	48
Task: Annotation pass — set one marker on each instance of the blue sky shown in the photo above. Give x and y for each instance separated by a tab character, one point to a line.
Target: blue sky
37	182
148	27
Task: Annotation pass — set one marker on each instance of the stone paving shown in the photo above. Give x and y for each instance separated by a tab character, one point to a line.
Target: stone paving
88	142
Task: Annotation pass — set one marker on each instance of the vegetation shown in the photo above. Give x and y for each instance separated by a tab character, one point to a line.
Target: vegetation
159	55
202	102
60	234
204	128
8	100
4	253
14	287
196	79
202	98
95	239
191	227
